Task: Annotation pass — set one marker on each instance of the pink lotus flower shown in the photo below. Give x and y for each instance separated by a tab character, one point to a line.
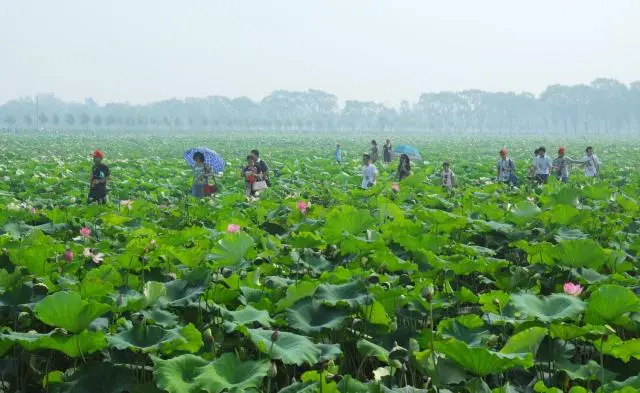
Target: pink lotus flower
127	203
68	255
233	228
85	232
572	289
302	206
395	187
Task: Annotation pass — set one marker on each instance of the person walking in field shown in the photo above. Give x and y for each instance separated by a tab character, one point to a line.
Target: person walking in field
337	154
561	165
531	174
386	152
99	177
542	165
404	167
448	177
591	163
369	173
506	169
201	174
262	166
374	151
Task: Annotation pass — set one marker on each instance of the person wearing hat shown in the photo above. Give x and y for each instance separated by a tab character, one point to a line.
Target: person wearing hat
506	169
561	165
99	177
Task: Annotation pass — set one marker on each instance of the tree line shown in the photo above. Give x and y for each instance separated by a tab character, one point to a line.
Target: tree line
603	106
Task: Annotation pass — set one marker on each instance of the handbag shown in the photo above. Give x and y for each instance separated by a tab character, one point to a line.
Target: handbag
259	185
210	189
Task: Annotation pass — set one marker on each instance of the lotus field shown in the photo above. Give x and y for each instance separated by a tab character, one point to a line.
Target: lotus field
317	286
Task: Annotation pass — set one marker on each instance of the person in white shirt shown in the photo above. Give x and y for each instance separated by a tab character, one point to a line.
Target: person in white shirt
448	177
543	166
591	163
369	173
506	169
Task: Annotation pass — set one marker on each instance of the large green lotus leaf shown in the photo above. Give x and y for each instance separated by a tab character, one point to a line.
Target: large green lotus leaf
179	374
290	348
543	252
311	260
523	212
34	251
567	331
550	308
152	291
525	342
629	385
190	257
303	387
489	299
624	350
563	214
160	317
442	221
329	351
367	348
182	293
228	374
469	329
376	314
353	294
67	309
73	346
480	361
585	372
233	250
247	316
609	303
312	317
346	220
153	338
97	377
306	240
566	196
579	253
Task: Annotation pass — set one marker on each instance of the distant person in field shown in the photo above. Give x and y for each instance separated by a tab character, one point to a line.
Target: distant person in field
562	164
448	177
99	178
369	173
201	174
543	166
386	151
337	154
262	166
591	163
404	167
251	174
374	151
506	169
531	175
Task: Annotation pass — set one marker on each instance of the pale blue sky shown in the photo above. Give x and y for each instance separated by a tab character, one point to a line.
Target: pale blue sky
385	50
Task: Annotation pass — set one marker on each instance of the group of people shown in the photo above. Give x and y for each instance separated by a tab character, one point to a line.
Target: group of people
256	171
542	166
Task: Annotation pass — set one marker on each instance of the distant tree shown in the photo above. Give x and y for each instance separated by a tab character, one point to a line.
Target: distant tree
70	119
110	120
97	120
55	119
43	119
27	120
84	119
10	120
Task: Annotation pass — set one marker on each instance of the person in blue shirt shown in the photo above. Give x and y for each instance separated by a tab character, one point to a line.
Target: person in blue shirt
338	154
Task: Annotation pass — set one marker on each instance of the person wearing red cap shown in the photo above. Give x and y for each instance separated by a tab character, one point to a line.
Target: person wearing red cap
99	177
506	169
561	165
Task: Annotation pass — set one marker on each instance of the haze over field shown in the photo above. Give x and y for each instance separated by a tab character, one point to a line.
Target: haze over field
386	51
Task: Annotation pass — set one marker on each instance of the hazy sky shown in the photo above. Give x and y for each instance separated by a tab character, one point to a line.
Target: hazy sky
385	50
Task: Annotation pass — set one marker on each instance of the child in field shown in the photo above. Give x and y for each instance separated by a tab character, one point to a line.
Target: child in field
201	173
404	167
374	151
591	163
99	177
506	169
531	175
386	151
448	177
369	173
561	165
251	174
338	154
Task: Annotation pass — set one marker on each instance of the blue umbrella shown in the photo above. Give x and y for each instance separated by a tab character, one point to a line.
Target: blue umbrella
211	158
411	151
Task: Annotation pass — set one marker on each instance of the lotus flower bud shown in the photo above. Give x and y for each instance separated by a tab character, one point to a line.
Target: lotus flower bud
68	255
275	335
208	335
496	302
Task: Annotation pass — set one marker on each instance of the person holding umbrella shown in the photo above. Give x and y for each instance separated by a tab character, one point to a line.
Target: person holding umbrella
204	163
99	177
